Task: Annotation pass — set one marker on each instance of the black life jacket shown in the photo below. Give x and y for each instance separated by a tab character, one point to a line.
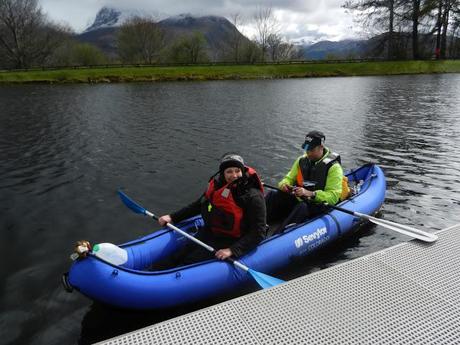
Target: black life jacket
316	172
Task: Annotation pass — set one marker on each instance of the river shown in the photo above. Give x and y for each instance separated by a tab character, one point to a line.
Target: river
66	149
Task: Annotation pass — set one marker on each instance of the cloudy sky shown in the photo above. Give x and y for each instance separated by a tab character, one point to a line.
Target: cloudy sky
300	19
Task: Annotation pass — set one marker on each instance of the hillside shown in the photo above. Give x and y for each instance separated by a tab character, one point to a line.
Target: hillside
218	31
335	50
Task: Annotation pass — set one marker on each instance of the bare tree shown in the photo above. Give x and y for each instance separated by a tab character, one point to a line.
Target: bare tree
420	15
266	26
287	51
236	38
274	42
450	8
26	36
415	24
140	40
455	35
378	14
430	17
437	29
279	49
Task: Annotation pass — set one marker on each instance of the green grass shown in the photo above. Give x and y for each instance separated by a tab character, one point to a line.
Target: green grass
221	72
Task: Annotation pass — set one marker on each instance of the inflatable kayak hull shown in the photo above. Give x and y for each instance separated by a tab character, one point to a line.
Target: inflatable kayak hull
132	286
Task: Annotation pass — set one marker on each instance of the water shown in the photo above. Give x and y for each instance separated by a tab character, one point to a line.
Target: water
65	150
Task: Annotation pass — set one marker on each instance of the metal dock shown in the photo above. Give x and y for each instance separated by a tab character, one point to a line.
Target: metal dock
406	294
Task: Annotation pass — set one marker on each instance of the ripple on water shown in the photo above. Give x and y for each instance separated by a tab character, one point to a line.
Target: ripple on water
66	149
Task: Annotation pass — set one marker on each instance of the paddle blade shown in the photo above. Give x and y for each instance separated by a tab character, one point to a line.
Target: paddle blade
131	204
264	280
420	235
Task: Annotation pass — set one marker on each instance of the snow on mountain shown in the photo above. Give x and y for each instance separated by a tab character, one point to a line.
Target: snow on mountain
187	17
109	17
217	31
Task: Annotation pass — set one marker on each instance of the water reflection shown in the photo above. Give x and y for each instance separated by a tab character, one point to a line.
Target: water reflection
412	127
66	149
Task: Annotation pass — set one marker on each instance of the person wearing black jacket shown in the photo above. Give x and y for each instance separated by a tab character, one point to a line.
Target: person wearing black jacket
233	210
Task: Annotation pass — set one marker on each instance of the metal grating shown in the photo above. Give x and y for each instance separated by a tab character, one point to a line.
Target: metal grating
436	267
407	294
219	324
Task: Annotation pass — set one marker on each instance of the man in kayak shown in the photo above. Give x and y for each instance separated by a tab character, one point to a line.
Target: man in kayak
233	210
315	177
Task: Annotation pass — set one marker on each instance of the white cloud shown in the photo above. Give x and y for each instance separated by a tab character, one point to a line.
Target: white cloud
78	14
299	19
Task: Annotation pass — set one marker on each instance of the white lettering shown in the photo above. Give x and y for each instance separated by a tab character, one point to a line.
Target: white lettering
298	242
306	239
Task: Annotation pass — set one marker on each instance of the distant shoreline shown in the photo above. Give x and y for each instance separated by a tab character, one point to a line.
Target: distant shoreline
227	72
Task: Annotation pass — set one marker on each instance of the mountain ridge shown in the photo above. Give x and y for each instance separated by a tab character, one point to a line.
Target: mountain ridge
216	30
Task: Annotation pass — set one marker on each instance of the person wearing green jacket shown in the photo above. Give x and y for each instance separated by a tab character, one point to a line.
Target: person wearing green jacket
315	178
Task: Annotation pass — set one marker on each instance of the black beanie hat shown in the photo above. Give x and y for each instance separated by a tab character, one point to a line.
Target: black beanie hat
231	160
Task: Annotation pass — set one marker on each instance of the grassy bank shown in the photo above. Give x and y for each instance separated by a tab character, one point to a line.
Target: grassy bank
221	72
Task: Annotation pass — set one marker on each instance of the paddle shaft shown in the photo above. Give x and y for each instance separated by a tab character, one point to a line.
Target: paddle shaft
403	229
197	241
264	280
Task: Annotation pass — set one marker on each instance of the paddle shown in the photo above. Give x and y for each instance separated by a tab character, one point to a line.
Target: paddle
264	280
403	229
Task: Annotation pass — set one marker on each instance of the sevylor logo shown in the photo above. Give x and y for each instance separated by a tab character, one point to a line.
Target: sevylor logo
306	239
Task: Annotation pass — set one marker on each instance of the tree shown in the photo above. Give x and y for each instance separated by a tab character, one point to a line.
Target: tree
73	53
236	38
378	14
250	52
430	17
409	24
273	45
278	49
26	36
189	49
450	10
85	54
455	39
140	40
266	26
415	24
287	51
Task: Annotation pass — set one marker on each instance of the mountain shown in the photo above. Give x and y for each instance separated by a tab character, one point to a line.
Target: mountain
377	47
109	17
105	18
218	31
335	50
102	33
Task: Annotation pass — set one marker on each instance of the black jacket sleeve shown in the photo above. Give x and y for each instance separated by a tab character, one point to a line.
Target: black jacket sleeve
188	211
254	222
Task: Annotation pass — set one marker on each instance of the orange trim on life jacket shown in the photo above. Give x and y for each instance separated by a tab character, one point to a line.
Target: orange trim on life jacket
299	178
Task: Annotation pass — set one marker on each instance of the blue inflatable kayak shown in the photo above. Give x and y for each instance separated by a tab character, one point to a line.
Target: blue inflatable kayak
131	286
